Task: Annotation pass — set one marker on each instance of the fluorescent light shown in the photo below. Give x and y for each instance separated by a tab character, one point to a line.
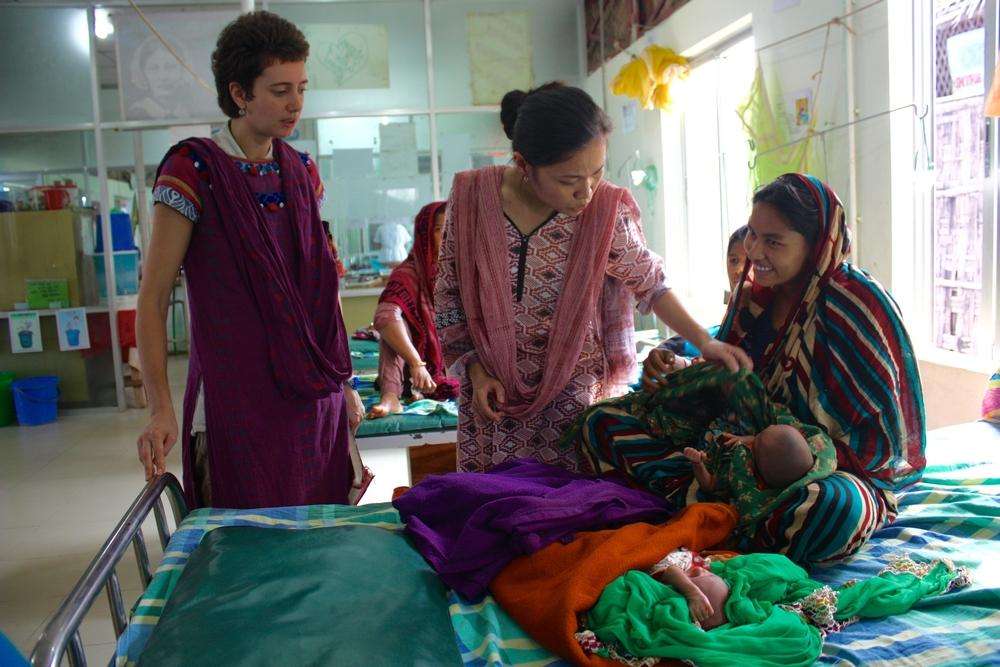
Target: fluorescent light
103	27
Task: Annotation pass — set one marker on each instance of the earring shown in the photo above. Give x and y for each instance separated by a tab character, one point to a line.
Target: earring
242	111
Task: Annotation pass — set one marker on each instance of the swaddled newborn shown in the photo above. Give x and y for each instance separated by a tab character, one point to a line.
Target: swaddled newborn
780	454
706	593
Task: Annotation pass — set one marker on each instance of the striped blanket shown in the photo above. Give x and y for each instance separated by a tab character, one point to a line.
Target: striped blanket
954	512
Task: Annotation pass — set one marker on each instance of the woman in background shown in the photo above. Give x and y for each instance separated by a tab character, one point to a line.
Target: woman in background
405	321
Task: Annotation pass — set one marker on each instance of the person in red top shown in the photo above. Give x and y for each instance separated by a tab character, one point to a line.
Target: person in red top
267	413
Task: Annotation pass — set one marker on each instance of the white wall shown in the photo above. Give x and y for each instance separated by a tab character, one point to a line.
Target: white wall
702	23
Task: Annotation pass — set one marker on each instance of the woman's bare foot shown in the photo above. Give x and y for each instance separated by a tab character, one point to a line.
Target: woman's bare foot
389	405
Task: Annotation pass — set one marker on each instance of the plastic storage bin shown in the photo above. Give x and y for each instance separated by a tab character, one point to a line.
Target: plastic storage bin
126	273
121	233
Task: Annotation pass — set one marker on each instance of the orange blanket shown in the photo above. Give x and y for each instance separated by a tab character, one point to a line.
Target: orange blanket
545	591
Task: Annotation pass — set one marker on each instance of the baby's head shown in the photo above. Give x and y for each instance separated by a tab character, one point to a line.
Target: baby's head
716	590
782	455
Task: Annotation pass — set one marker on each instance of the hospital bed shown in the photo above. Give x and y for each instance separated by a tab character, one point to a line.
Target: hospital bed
397	432
954	512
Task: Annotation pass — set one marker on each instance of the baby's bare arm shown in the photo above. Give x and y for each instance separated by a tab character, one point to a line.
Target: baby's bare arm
706	480
674	576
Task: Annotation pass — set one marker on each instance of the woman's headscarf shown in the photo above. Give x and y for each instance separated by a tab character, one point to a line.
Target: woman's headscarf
411	287
842	360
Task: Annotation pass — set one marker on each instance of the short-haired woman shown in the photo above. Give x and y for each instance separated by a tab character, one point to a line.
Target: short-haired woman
266	413
539	266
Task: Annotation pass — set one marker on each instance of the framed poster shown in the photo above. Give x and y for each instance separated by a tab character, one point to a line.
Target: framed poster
154	84
25	331
345	56
71	324
499	54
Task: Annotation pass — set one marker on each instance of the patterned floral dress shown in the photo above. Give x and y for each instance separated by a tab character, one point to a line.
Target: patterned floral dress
536	265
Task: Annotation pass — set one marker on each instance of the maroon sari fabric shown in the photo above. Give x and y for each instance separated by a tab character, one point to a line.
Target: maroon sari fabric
268	345
411	287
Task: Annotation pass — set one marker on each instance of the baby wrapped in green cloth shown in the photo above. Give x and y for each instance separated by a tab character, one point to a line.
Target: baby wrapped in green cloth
772	613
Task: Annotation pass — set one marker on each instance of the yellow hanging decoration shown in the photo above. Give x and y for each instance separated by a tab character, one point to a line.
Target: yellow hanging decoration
634	80
661	96
648	79
665	64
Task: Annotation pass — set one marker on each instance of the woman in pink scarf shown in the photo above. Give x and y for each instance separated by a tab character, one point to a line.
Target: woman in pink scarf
540	270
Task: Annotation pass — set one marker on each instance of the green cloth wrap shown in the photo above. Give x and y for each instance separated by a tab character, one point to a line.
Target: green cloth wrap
771	603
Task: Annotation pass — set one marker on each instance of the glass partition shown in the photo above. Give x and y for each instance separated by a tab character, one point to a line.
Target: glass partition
44	67
378	176
469	141
363	56
367	122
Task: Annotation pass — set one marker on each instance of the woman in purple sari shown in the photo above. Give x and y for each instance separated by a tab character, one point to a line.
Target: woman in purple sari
267	414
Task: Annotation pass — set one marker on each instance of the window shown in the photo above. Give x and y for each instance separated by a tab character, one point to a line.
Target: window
714	157
962	222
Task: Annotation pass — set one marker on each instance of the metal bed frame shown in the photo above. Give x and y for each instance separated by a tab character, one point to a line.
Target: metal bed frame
61	635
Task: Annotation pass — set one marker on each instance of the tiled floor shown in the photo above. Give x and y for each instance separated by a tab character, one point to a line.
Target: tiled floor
63	487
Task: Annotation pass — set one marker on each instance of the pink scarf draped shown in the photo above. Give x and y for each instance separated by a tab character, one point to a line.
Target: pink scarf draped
588	294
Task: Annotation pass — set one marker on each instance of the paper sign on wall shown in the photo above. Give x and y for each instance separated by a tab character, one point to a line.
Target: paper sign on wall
630	112
965	60
47	293
25	332
799	109
499	54
72	327
345	56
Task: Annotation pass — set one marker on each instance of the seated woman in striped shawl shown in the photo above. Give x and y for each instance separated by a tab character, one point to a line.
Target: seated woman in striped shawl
828	342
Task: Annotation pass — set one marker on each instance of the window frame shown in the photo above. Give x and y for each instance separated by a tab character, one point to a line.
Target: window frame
921	290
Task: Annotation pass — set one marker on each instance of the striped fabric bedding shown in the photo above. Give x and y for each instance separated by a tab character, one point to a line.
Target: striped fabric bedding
953	512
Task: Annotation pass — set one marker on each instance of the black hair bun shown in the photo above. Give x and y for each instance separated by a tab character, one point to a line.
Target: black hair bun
509	106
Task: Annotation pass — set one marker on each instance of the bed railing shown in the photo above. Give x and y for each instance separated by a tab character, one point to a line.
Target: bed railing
62	634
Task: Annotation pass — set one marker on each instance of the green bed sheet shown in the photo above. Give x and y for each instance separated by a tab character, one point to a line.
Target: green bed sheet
350	595
364	355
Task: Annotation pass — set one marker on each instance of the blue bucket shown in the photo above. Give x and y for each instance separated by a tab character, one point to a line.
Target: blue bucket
35	399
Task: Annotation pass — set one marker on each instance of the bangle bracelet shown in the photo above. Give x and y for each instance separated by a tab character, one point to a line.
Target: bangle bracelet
419	364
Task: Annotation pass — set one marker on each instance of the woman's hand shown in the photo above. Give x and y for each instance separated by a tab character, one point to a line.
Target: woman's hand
659	364
726	355
421	379
488	395
156	441
355	408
